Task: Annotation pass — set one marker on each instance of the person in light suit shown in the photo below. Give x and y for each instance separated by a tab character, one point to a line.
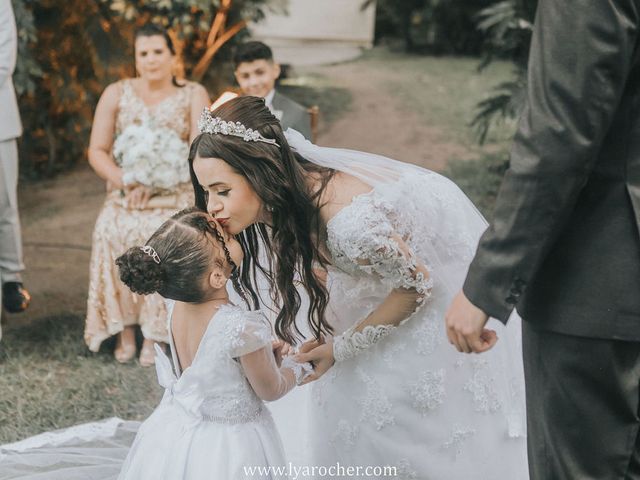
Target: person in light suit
256	72
14	296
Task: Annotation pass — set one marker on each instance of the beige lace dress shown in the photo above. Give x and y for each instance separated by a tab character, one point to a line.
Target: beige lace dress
111	305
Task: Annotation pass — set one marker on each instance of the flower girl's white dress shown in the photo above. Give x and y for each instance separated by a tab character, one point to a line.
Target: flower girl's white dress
210	423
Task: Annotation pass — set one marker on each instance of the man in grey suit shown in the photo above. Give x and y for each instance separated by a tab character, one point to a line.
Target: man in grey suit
256	73
14	297
564	244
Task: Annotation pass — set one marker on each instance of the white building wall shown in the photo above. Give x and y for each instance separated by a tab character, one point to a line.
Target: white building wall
325	20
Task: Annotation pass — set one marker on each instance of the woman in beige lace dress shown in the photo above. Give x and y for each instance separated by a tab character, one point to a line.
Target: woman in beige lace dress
133	211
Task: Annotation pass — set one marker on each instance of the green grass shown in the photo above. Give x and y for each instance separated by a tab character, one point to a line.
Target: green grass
444	91
50	380
480	178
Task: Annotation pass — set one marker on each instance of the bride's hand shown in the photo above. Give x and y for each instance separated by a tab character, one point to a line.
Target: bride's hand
321	357
309	345
283	349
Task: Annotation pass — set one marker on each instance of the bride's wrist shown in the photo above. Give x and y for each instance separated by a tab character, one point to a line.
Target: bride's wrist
351	343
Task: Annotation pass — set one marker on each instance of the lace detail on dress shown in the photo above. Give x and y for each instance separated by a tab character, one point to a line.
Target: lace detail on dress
366	244
458	436
361	239
173	112
321	387
428	391
244	332
351	343
237	403
391	351
405	471
345	434
231	411
430	332
376	407
482	387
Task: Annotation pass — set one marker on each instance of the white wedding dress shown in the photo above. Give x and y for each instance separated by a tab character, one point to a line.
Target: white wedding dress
411	401
210	423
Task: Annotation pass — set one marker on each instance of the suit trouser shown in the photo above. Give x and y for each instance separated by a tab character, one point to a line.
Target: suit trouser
582	406
11	263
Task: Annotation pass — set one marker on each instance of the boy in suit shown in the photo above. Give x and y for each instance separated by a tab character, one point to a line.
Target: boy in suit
256	72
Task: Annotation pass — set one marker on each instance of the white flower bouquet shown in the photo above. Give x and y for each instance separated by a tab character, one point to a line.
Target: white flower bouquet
152	156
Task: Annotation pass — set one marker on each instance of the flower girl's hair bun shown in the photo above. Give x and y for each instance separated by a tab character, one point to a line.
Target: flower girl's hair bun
140	272
177	258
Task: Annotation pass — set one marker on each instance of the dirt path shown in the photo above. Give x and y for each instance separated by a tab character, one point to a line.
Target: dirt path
58	215
377	121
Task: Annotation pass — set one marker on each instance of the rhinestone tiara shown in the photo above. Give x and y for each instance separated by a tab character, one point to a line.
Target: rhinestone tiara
210	124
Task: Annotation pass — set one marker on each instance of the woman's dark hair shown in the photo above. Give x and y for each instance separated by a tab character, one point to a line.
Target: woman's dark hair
151	29
182	245
279	177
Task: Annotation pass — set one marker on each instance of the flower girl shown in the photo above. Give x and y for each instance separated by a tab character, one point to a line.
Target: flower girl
211	422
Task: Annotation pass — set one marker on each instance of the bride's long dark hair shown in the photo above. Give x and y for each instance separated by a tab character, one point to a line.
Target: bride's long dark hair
277	175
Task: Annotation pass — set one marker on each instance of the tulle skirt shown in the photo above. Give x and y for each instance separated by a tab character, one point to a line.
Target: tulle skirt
169	445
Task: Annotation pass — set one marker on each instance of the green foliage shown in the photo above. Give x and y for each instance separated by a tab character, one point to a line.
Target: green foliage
70	50
27	68
480	179
507	25
430	26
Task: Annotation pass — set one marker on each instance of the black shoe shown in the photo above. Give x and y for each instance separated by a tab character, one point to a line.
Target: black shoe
15	297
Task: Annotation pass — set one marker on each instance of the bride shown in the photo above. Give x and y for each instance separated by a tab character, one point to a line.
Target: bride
380	248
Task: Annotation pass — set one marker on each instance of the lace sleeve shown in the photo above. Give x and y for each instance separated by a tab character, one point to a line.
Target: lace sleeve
376	248
391	259
250	331
365	237
267	380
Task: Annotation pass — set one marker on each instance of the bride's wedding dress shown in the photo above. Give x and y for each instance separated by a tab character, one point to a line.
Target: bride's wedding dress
411	401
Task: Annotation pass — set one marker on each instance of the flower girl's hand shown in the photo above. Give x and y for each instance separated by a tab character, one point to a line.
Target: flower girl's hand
320	357
283	349
137	196
279	350
310	345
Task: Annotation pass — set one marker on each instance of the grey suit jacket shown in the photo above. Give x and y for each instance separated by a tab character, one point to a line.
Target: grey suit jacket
564	244
294	115
10	125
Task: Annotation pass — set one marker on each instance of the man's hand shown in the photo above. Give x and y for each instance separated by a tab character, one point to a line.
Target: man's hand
465	326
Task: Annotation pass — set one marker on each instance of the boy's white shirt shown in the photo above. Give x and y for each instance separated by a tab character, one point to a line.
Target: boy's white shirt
268	100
